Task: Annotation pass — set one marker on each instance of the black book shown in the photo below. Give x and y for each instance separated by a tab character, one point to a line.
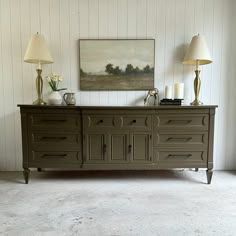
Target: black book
166	101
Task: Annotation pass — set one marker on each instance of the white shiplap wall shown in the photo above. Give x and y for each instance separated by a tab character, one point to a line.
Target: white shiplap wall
171	22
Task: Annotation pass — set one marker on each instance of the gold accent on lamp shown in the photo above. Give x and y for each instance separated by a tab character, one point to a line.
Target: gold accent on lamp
37	53
197	54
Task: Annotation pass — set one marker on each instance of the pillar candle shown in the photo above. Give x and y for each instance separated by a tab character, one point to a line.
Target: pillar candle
179	91
168	92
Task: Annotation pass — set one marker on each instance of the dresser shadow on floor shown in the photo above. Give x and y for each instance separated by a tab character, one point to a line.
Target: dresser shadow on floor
164	175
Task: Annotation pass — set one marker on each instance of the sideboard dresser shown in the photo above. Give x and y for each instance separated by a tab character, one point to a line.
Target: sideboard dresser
117	138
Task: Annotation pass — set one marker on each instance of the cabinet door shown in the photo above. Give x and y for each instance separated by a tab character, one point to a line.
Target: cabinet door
118	147
140	147
95	147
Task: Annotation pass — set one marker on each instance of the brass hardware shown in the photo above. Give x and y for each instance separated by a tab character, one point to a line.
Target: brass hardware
197	87
187	139
39	87
180	155
134	121
179	121
54	156
53	121
53	138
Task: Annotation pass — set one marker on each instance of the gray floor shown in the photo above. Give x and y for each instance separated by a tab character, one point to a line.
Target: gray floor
118	203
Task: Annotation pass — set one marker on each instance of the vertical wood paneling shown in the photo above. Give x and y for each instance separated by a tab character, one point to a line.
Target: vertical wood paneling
103	33
44	16
141	30
189	32
131	34
8	85
122	29
27	76
84	13
74	23
160	46
172	23
206	76
35	26
2	111
65	43
179	41
217	74
93	33
113	34
16	71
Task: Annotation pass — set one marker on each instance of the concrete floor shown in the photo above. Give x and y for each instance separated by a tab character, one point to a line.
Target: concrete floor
118	203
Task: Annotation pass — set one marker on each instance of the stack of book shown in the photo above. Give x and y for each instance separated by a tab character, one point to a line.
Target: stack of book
171	102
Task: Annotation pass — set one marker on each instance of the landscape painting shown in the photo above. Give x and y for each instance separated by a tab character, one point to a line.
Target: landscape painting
117	64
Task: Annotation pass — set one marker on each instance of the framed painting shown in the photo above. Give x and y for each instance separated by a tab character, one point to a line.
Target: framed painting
117	64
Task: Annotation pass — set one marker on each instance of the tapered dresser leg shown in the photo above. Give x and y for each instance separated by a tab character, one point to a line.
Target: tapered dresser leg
196	169
209	173
26	174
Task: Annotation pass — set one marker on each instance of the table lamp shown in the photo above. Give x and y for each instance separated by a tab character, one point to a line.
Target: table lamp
197	54
37	52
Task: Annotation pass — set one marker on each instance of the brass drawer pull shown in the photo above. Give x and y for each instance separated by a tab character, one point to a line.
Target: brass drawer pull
53	138
100	121
54	121
184	139
179	155
54	156
134	121
179	121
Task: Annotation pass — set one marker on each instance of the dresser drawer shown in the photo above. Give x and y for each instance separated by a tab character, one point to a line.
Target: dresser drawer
181	139
180	156
181	121
134	122
98	121
55	157
54	122
55	140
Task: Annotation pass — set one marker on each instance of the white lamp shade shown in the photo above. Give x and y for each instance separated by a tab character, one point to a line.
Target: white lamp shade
198	51
37	51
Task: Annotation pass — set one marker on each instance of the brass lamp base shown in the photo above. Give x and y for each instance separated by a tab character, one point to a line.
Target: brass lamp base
197	86
39	87
196	103
39	101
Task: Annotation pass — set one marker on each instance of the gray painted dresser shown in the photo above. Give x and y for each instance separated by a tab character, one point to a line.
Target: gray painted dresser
117	138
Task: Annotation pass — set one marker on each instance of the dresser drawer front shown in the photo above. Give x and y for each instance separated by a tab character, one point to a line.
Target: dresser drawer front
180	139
179	156
54	122
40	140
181	121
98	121
136	122
55	157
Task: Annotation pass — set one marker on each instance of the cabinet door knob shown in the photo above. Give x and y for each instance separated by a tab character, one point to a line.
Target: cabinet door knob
101	121
104	148
134	121
130	148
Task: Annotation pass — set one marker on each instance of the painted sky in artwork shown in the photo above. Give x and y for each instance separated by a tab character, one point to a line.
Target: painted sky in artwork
96	54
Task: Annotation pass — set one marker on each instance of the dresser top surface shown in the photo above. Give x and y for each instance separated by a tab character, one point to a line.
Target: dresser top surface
118	107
